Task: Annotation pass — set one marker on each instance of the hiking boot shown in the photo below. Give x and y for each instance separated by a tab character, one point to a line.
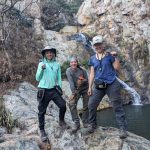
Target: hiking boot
75	128
64	125
90	129
43	135
123	134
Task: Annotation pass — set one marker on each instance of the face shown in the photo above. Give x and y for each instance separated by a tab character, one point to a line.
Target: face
99	47
49	55
73	64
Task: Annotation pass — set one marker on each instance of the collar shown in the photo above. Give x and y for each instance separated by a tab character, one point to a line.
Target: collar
100	57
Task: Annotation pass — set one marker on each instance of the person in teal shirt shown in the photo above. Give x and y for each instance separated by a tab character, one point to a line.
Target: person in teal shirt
49	88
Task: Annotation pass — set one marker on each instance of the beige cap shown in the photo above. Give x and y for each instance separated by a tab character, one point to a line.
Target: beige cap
97	39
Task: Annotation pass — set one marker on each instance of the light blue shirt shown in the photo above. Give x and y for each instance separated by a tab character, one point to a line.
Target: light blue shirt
50	76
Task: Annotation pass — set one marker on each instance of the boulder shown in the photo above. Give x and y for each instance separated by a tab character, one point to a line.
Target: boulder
22	104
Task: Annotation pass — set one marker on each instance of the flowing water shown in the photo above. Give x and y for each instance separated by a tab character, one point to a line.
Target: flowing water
137	118
136	96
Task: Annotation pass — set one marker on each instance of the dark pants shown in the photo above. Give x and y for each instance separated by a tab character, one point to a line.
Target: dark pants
73	107
50	94
113	92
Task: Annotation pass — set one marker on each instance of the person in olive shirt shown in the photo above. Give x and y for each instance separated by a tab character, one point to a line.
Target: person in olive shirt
78	81
49	75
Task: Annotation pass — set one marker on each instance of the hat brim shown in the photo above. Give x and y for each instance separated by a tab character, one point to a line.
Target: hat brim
97	43
53	50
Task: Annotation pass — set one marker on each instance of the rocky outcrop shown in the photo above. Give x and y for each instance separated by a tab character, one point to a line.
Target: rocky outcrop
125	25
59	41
56	14
22	104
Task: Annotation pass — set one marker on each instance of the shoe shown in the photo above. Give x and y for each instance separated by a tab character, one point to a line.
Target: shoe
90	129
75	128
64	125
123	134
43	135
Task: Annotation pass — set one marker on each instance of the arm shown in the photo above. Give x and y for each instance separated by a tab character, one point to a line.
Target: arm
117	65
91	79
71	81
59	77
39	72
91	76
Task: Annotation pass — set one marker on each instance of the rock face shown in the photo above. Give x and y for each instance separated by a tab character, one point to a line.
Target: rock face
22	104
125	25
56	14
59	41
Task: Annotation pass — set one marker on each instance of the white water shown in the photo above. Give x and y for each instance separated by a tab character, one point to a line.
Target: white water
136	96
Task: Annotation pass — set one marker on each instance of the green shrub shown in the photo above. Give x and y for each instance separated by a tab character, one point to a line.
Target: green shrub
64	66
6	119
84	63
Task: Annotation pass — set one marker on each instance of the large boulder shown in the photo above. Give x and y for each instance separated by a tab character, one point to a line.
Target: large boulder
22	104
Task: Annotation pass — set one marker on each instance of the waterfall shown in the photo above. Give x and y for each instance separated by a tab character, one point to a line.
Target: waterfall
136	96
80	37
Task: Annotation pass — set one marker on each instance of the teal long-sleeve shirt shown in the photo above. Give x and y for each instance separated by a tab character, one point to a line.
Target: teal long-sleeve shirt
50	76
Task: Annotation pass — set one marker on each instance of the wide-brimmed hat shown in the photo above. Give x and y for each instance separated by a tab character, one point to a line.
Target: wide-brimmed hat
97	39
48	48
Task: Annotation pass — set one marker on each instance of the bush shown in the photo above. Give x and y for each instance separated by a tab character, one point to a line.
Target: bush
84	63
64	66
6	118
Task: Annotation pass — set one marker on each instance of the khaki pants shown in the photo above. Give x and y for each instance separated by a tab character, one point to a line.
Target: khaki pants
73	107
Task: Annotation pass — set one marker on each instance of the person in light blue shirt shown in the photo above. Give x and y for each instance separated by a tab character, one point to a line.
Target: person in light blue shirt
48	72
49	88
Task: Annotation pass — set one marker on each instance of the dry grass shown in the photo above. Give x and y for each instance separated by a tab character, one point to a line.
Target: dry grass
5	86
6	119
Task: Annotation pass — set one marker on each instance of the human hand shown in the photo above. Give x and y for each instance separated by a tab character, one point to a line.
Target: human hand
72	97
43	66
113	53
89	92
81	77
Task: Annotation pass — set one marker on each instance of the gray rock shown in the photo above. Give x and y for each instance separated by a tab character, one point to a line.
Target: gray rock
28	138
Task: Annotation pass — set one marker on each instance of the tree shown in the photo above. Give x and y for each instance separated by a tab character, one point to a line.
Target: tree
17	40
4	8
58	13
